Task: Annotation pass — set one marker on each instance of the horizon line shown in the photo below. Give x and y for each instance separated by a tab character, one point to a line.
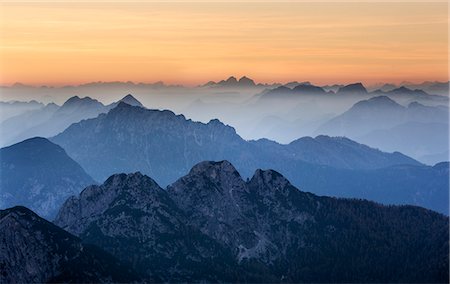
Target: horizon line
161	82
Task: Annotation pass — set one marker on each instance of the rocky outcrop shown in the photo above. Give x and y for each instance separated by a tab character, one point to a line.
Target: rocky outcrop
133	218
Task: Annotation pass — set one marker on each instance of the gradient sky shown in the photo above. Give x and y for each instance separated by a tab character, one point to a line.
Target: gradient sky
191	43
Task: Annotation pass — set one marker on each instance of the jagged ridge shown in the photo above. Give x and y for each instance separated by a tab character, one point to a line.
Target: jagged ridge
264	227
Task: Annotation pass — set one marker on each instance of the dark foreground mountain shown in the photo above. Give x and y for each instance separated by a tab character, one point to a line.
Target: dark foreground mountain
165	146
211	225
34	250
134	219
38	174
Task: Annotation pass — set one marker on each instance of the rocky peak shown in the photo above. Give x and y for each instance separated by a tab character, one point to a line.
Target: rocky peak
214	177
211	214
269	178
270	182
135	190
132	180
214	169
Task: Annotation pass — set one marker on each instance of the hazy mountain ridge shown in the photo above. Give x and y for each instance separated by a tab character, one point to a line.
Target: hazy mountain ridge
53	119
13	108
38	174
416	130
268	228
165	146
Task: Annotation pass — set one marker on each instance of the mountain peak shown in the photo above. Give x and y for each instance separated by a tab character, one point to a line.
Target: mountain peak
29	146
18	211
76	101
24	180
213	169
129	99
415	105
353	89
311	89
402	89
269	180
382	99
132	179
231	79
245	81
123	105
379	101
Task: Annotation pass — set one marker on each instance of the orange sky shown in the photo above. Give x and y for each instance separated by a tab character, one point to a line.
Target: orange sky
191	43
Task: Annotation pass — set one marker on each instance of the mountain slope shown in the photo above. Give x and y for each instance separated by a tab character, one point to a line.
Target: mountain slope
38	174
416	139
264	228
165	146
338	152
381	113
362	117
36	251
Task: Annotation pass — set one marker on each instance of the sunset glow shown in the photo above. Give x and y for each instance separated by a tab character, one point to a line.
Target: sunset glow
191	43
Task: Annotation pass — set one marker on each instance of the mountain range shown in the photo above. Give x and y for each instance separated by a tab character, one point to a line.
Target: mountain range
380	122
165	146
52	119
402	93
211	225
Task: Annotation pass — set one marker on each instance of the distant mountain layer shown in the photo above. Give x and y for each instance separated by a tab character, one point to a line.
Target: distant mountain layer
357	90
165	145
36	251
211	225
380	122
10	109
53	119
417	139
38	174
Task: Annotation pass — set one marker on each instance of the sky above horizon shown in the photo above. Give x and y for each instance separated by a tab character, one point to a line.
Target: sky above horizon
192	43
